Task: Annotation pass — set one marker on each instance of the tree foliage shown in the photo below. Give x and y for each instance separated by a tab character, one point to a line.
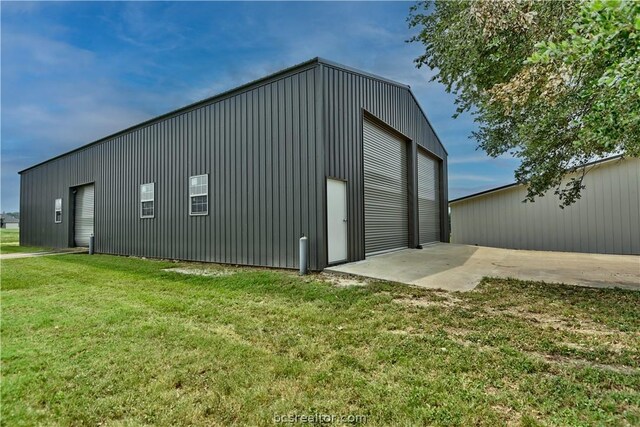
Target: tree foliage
554	83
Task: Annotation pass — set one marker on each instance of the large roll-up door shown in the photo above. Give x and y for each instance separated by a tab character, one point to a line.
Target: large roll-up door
428	199
83	215
385	190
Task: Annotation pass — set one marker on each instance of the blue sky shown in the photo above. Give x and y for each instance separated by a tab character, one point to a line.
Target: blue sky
75	72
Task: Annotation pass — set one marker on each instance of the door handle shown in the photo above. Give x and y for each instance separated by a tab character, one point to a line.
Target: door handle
344	220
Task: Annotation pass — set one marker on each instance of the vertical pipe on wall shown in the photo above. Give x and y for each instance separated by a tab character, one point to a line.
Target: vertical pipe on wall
304	255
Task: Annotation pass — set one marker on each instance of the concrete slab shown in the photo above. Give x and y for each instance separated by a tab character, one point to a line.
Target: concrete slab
455	267
18	255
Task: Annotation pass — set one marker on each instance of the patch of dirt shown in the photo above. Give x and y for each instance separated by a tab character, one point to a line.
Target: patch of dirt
508	414
575	362
457	332
459	338
616	346
576	346
226	331
619	347
545	320
583	329
342	280
408	331
208	272
442	299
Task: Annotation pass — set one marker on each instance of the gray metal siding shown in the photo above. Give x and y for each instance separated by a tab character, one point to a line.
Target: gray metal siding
606	219
386	212
346	96
428	199
260	149
267	146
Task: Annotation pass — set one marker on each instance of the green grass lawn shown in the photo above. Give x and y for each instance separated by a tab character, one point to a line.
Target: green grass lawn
104	340
10	243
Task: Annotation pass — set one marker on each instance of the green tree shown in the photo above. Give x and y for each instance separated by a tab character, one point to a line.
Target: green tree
554	83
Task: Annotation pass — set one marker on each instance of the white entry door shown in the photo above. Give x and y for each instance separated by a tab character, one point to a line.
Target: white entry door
336	220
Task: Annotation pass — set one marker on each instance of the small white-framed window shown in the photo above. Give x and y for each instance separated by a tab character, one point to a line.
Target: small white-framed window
147	200
199	195
58	211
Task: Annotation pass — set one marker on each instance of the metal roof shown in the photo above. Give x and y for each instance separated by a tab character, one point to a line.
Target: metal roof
9	219
516	184
263	80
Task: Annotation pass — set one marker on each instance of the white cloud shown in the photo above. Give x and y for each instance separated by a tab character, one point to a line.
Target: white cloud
31	54
150	32
57	95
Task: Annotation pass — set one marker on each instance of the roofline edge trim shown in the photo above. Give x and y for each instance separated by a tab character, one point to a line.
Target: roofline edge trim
516	184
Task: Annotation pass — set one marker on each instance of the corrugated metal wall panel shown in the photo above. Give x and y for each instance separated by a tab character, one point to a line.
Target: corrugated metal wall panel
257	145
606	219
267	149
428	199
345	98
386	210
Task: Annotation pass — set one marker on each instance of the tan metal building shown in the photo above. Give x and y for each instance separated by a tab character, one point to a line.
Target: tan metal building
605	220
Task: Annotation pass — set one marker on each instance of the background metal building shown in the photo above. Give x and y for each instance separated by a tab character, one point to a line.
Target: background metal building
605	220
269	150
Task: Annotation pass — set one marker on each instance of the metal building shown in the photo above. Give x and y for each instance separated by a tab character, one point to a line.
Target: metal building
9	221
606	219
344	157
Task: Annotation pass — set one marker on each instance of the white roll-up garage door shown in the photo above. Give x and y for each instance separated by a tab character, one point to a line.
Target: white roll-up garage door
428	199
83	215
385	190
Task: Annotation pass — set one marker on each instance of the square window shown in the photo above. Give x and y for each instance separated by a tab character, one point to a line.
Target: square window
199	205
147	209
